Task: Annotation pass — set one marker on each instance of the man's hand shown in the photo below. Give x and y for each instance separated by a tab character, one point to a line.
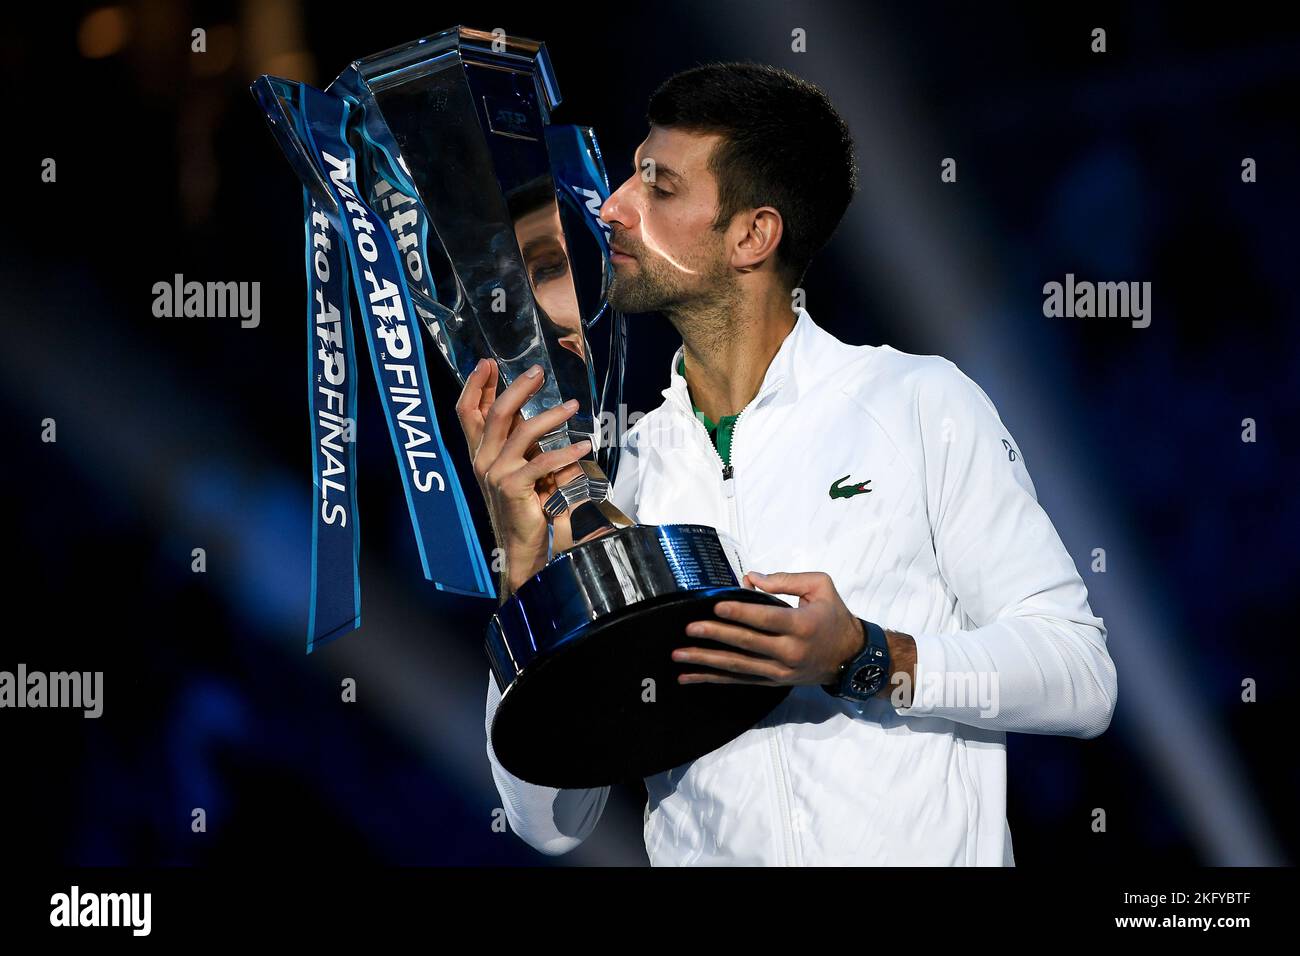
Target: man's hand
515	485
779	646
803	645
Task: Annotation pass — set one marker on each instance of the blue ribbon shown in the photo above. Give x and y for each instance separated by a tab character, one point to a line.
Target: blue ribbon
581	184
354	242
347	239
332	396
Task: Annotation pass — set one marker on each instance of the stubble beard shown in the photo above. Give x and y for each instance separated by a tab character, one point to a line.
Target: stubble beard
645	286
656	286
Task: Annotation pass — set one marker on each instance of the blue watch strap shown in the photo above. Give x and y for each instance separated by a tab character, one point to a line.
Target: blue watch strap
875	650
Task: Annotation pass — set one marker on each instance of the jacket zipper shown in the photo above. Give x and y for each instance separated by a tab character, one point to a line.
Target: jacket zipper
728	473
729	492
774	746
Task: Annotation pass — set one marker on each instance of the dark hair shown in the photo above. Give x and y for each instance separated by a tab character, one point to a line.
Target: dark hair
784	145
532	195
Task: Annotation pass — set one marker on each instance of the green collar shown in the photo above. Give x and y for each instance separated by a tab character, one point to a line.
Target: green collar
725	422
720	432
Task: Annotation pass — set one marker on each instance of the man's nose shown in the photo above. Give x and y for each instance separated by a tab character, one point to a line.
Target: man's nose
618	209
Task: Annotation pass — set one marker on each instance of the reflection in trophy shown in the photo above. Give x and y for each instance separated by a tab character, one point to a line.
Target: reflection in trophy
468	113
490	205
540	235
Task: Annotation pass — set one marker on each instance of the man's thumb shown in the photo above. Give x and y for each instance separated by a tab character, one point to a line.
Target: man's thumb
785	582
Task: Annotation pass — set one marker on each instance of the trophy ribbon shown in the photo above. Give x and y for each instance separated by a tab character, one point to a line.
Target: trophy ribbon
354	244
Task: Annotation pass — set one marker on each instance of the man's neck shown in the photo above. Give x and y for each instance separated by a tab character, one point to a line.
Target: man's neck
728	351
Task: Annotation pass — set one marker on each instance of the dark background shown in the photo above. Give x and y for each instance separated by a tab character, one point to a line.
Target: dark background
183	433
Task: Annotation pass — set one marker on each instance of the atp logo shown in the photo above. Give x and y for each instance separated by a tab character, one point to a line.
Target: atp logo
594	202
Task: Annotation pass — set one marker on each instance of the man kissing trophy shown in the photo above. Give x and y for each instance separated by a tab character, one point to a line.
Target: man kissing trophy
434	179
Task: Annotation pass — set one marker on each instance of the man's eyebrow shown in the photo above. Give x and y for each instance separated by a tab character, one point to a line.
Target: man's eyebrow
534	247
660	170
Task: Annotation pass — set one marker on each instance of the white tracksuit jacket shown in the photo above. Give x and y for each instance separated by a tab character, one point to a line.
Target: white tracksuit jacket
949	545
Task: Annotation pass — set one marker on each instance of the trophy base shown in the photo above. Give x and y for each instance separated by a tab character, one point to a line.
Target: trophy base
585	647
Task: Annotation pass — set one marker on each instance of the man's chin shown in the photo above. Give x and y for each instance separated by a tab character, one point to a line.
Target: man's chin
631	300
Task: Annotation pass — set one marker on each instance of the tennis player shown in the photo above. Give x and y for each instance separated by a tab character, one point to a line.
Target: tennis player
932	606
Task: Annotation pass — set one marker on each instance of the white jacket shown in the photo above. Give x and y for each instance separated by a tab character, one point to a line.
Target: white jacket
949	545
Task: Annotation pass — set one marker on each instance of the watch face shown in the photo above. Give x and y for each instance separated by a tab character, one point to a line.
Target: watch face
867	680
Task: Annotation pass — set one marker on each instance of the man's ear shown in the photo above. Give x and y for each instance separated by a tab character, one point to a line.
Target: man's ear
763	229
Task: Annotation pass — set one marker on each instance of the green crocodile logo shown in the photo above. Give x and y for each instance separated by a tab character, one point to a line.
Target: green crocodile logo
848	491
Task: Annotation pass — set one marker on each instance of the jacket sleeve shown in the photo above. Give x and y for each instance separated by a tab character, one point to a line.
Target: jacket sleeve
1035	660
554	821
550	820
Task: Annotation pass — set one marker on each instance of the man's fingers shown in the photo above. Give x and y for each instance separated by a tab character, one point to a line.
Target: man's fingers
755	642
471	406
704	678
550	461
565	474
733	664
778	620
531	430
488	395
501	416
791	582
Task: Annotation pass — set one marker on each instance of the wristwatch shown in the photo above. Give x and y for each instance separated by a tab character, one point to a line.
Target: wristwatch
862	676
